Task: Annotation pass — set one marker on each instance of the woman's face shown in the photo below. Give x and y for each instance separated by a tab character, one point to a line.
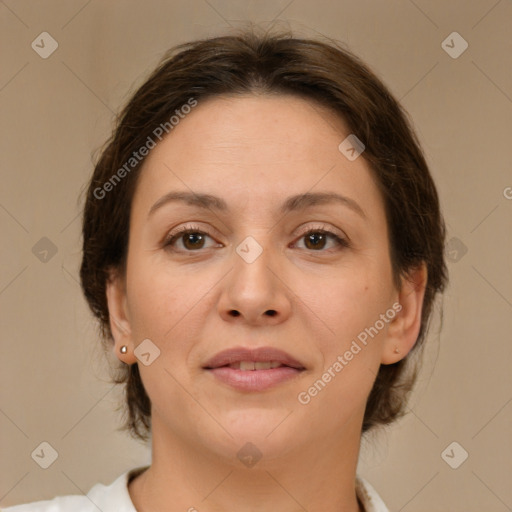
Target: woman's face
249	276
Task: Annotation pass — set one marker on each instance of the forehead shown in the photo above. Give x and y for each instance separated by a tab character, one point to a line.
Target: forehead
256	147
239	127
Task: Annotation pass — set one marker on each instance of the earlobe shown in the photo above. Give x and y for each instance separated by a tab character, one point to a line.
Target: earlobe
119	318
404	328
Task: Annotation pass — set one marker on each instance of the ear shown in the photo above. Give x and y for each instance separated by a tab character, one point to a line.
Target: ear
119	317
403	330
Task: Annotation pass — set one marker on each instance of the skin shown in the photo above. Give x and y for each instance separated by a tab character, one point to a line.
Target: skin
254	152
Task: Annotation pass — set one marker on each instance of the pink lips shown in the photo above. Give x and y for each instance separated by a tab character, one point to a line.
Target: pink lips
257	379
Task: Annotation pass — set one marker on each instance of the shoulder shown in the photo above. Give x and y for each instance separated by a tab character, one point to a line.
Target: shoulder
368	496
107	498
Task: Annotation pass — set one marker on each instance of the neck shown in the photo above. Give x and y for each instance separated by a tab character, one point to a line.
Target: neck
186	476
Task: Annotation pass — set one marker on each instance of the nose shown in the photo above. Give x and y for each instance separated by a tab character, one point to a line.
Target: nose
255	292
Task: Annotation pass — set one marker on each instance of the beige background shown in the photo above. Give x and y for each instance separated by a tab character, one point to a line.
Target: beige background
57	111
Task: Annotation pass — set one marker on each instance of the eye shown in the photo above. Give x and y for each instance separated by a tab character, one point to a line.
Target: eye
316	239
192	238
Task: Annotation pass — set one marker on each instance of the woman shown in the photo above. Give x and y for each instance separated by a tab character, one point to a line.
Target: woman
262	246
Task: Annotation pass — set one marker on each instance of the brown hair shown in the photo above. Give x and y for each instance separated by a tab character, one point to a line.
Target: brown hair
270	64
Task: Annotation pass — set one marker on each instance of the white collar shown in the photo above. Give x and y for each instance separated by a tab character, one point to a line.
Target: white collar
115	497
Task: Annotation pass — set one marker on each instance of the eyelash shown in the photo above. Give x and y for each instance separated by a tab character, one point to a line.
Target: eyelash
172	237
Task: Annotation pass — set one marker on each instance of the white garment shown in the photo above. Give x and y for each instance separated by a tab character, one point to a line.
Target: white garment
116	498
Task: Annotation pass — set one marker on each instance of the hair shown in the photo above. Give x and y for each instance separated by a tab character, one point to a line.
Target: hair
252	63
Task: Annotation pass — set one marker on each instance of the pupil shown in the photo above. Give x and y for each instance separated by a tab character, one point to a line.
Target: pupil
193	238
315	237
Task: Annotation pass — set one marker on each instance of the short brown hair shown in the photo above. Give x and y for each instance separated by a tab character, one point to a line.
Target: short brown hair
271	64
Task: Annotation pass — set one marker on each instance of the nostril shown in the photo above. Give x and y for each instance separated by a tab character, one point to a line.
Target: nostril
270	312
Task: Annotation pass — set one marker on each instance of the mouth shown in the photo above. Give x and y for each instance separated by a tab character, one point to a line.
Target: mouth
253	369
254	365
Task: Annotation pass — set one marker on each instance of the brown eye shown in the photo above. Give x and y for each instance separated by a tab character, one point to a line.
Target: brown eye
317	239
193	240
187	240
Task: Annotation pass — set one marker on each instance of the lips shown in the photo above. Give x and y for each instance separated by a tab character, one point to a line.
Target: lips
253	370
240	358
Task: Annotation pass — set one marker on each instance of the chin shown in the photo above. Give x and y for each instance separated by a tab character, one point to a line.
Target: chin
269	431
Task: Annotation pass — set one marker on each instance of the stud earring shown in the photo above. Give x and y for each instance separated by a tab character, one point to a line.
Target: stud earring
397	351
123	349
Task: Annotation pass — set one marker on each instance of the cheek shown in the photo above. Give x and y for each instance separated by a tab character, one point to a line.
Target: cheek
345	303
348	335
345	314
157	299
169	306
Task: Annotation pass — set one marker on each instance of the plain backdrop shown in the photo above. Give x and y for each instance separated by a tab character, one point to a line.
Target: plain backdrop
57	111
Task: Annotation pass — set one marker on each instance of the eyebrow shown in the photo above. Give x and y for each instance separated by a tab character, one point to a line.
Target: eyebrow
292	203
